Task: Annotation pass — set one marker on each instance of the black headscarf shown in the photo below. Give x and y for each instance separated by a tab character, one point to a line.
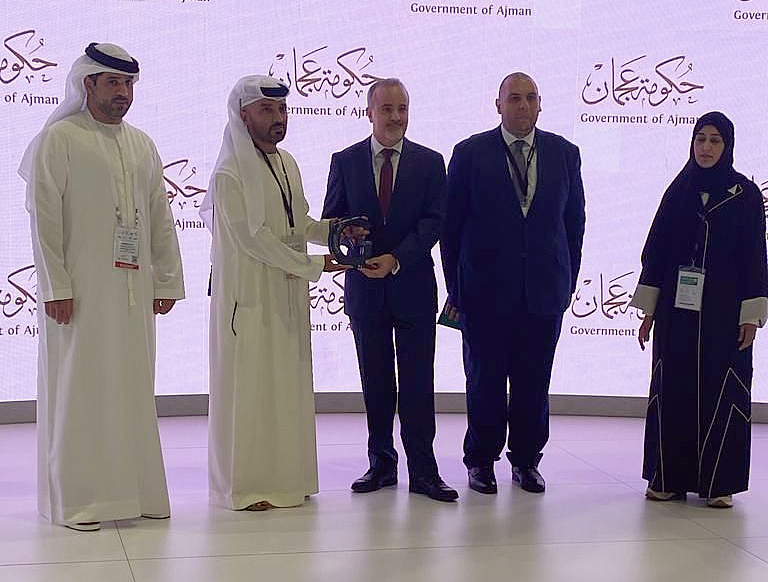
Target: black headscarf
678	219
718	178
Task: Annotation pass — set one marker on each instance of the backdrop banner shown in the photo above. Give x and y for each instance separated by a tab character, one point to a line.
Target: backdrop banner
624	81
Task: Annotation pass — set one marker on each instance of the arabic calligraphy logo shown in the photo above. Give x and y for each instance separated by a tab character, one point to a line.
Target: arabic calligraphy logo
22	48
613	298
307	75
178	187
23	284
627	83
328	300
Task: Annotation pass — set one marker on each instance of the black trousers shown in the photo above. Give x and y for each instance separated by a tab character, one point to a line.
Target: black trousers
515	349
414	346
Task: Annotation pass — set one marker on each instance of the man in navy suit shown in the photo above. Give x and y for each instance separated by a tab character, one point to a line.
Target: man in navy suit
511	250
400	186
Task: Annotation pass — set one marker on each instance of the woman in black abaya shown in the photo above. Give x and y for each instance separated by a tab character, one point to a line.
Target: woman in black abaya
708	233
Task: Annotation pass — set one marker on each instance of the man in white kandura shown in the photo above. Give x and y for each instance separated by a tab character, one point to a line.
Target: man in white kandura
261	449
107	261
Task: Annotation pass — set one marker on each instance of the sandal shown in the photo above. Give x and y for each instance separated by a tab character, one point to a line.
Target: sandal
653	495
259	506
723	502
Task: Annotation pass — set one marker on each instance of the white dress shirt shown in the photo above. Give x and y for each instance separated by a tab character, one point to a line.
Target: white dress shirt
378	161
532	173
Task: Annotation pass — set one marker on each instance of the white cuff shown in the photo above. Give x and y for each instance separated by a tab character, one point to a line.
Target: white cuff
754	311
645	298
396	268
318	264
169	293
55	295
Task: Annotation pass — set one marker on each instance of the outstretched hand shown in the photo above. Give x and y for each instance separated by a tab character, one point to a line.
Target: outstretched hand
162	306
353	231
332	266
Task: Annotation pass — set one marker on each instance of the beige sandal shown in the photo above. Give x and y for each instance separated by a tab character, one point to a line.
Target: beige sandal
259	506
654	495
723	502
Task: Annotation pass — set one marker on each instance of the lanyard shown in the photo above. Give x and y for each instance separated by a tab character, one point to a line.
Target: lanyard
287	200
521	180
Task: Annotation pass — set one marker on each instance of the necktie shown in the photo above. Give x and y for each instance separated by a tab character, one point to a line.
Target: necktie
522	170
385	182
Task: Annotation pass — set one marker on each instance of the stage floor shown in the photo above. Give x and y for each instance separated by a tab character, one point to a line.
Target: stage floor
591	525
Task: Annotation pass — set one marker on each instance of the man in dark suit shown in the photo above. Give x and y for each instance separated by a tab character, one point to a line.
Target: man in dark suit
511	250
400	186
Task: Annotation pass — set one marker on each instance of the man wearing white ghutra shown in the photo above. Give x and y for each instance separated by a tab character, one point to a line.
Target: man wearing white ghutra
261	451
107	261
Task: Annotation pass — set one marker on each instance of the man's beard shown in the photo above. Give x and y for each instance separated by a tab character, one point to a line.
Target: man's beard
276	136
114	109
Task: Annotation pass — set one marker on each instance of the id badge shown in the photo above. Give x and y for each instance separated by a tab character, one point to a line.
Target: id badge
690	288
126	250
298	244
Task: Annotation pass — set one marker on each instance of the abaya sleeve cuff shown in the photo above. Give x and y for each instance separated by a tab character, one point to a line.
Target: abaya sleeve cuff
754	311
54	295
645	298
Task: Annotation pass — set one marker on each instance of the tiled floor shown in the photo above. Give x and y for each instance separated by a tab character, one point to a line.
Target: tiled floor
592	524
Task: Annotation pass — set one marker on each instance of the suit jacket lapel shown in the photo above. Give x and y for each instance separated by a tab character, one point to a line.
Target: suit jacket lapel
364	163
510	189
404	166
540	149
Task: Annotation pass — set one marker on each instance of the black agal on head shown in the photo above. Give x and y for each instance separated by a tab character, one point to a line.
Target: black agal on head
129	67
274	92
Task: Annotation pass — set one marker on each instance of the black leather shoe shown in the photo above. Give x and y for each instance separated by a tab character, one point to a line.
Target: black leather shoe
482	479
528	478
433	487
375	479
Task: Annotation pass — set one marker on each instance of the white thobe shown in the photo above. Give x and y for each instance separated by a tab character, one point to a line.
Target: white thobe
99	454
261	416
